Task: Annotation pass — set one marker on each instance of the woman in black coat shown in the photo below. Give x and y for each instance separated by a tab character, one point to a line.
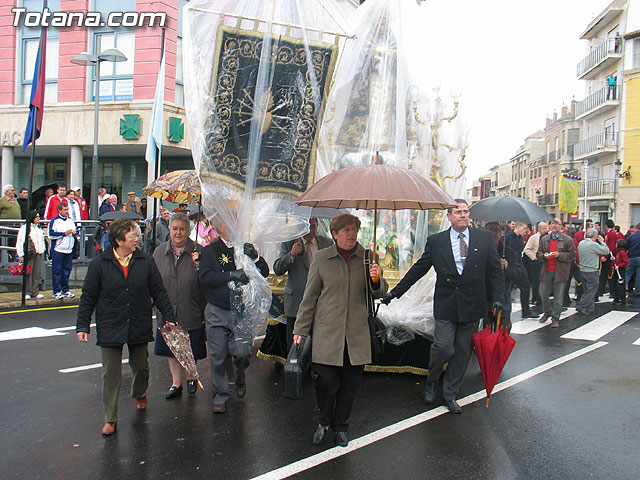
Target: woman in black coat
120	286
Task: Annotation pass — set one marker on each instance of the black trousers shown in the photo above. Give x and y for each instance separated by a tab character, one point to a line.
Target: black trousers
522	282
604	276
535	281
291	321
336	390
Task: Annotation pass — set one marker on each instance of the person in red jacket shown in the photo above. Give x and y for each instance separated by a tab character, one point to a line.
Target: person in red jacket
606	264
84	208
622	260
51	209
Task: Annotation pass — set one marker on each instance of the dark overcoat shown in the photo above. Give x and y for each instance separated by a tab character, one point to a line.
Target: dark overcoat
122	305
459	298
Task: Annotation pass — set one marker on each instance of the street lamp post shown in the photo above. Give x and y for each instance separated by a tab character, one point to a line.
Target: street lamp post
110	55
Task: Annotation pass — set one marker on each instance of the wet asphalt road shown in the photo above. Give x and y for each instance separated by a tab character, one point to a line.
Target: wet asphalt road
578	419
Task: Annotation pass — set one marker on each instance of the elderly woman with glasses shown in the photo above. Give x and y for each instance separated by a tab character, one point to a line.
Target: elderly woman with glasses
177	261
120	285
335	305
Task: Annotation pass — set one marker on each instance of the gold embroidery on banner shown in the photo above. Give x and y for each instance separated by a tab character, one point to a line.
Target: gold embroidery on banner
287	109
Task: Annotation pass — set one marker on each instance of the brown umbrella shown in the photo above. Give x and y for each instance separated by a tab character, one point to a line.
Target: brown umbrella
376	186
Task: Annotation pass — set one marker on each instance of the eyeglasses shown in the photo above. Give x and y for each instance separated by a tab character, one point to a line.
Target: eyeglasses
133	236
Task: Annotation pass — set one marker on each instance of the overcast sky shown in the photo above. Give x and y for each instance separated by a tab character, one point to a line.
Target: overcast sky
513	62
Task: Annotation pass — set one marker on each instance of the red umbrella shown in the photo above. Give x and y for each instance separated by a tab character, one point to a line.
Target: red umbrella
493	349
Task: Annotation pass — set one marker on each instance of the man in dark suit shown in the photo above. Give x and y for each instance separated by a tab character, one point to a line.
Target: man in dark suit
295	258
468	271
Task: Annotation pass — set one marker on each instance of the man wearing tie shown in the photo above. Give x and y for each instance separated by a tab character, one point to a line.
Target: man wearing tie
468	272
295	258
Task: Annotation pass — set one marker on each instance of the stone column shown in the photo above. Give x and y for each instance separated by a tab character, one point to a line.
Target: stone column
76	167
7	168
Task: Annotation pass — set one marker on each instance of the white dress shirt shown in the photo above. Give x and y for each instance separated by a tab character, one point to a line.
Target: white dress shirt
455	247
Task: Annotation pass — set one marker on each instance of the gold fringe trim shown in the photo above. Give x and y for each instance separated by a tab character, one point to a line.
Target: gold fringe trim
402	369
272	321
272	359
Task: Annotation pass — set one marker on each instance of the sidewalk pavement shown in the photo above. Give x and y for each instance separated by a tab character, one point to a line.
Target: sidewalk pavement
11	300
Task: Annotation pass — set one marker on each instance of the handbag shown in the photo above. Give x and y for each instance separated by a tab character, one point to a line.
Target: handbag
16	269
31	249
376	328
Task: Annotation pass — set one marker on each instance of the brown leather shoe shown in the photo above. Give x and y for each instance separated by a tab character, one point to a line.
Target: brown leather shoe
141	403
544	318
109	428
554	324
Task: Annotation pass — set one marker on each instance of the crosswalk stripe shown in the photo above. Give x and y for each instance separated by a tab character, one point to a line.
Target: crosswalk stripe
30	332
87	367
637	342
527	326
601	326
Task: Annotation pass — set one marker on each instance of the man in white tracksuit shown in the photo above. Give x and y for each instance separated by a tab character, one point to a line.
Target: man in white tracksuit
61	232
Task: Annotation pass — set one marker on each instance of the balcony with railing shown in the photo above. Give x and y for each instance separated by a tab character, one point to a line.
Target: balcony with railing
553	156
602	56
600	101
548	200
598	188
598	144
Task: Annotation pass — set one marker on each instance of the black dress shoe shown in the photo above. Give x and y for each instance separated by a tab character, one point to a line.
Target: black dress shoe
430	392
341	439
318	435
453	406
192	386
174	392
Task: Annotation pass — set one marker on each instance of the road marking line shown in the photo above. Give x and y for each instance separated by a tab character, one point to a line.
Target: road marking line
598	328
336	452
87	367
39	309
30	332
72	327
637	342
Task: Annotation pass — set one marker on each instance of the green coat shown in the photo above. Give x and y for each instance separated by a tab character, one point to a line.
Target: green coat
335	304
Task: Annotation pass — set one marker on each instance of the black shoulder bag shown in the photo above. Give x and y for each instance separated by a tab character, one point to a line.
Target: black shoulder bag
376	327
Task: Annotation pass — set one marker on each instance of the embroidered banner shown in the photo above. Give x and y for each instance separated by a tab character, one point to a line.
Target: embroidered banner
287	110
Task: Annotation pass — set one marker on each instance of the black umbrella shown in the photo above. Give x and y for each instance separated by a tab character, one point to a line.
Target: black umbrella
38	199
505	208
119	214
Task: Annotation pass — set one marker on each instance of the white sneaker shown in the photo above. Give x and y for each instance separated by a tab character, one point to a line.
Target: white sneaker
39	295
57	295
69	294
27	297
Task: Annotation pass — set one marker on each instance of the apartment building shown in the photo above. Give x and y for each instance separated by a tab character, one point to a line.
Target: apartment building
628	172
532	149
601	112
561	133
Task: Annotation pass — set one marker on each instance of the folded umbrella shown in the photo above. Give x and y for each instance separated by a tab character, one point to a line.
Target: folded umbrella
493	347
177	339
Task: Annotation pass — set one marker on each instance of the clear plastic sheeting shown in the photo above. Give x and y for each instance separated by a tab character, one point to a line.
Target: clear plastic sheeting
257	74
381	108
249	304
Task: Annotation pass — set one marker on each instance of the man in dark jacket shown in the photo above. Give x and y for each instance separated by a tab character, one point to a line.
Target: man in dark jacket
220	279
468	271
557	252
511	247
295	258
120	285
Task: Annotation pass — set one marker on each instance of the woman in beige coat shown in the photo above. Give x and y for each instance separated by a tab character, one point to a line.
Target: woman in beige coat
335	305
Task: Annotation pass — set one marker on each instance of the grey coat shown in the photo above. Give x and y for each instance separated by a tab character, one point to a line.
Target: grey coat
335	304
183	284
297	271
